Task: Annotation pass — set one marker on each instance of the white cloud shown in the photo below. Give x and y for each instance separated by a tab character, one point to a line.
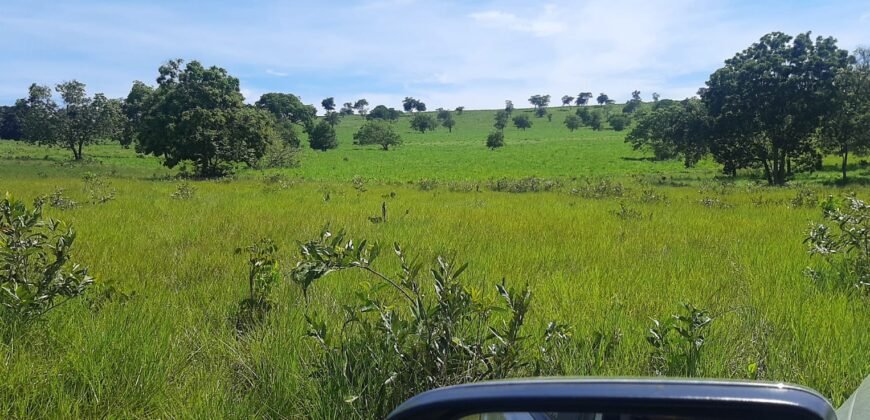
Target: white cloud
541	26
276	73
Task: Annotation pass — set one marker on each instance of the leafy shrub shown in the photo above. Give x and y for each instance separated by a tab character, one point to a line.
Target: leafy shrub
603	188
98	189
427	184
36	274
277	181
618	122
678	342
263	274
59	200
495	139
358	183
805	197
713	202
627	213
279	154
406	335
652	196
846	248
530	184
184	191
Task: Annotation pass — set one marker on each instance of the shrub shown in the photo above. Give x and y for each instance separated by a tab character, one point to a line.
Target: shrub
99	190
59	200
678	342
322	137
604	188
618	122
495	139
263	274
279	154
36	274
530	184
846	247
423	123
522	122
184	191
573	122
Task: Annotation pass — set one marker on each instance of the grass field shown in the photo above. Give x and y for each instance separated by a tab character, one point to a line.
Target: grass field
734	248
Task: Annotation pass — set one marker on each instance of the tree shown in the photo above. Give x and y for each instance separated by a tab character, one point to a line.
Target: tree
459	110
377	132
635	96
11	121
566	100
768	100
447	121
381	112
495	139
596	121
441	114
328	104
501	120
846	128
332	118
655	97
540	101
420	106
522	122
423	123
198	114
540	112
681	129
602	99
79	121
618	122
322	137
583	98
287	107
133	109
346	109
509	106
573	122
584	115
409	104
361	107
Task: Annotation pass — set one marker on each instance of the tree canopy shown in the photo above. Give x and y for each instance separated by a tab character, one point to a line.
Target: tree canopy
322	136
423	123
287	107
522	122
381	112
377	132
328	104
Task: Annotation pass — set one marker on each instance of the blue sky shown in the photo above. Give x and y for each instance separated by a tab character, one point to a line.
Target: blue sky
470	53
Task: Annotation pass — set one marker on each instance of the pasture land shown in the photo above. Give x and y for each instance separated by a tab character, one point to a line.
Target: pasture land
609	240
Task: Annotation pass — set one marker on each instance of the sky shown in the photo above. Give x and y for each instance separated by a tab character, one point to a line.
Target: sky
468	53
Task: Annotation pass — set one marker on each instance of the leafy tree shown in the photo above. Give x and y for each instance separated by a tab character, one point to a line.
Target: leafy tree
585	115
361	107
409	104
287	107
566	100
441	114
328	104
198	114
79	121
635	96
423	123
583	98
133	109
573	122
495	139
501	120
846	128
767	101
540	112
420	106
522	122
332	118
509	106
322	137
602	99
681	129
459	110
10	121
618	122
448	122
540	101
381	112
377	132
346	109
596	121
655	96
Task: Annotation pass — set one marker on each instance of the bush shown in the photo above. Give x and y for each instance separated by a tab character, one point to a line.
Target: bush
322	137
530	184
495	140
846	248
263	275
184	191
573	122
678	342
424	123
36	274
377	132
522	122
618	122
279	154
98	189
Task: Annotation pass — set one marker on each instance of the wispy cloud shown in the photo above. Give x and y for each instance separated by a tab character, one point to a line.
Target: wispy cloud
277	73
540	26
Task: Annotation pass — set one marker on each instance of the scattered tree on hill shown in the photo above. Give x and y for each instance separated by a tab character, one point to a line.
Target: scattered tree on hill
573	122
633	104
328	104
583	98
681	129
540	112
423	123
635	96
447	120
361	107
618	122
495	139
409	104
381	112
602	99
585	115
767	101
540	101
522	122
441	114
566	100
322	137
501	120
459	110
346	109
133	109
655	96
509	106
10	121
549	117
596	121
377	132
332	118
846	128
420	106
198	114
80	120
287	107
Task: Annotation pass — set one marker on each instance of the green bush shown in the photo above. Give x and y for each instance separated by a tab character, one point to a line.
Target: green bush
846	247
495	139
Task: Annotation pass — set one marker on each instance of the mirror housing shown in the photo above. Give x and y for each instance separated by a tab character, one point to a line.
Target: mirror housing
652	397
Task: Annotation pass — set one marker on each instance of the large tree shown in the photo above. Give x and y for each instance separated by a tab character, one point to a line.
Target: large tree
377	132
322	136
602	99
583	98
287	107
198	114
361	107
768	101
846	128
423	123
328	104
11	121
77	121
133	109
540	101
678	130
567	99
522	122
381	112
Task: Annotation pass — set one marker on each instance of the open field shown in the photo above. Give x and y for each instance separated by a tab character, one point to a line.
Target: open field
170	350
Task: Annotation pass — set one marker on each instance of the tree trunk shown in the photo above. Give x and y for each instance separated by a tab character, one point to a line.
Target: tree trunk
767	172
845	161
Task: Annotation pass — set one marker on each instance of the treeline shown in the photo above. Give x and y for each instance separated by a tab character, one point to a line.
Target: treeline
778	106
